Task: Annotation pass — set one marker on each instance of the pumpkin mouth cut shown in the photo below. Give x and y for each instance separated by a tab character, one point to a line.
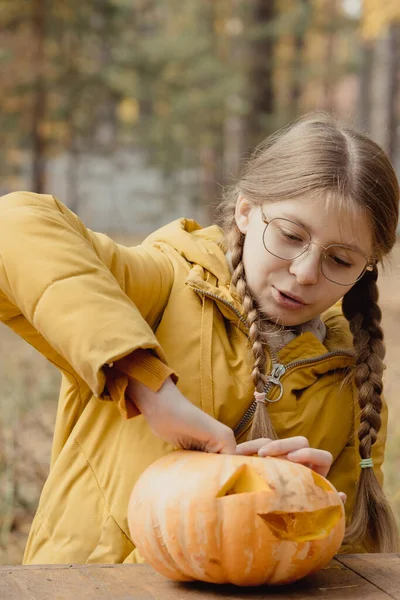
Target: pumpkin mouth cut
303	526
244	481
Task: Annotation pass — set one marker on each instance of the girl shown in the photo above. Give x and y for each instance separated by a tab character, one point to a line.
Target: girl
261	337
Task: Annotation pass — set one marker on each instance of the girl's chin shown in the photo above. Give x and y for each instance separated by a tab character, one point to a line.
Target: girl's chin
281	320
284	318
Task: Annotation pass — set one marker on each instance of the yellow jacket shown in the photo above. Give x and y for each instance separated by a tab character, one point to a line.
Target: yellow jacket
85	302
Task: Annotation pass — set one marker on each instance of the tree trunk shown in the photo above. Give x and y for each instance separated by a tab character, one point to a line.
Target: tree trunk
261	72
296	86
380	92
328	83
70	39
73	169
211	149
234	126
367	57
39	98
393	95
209	161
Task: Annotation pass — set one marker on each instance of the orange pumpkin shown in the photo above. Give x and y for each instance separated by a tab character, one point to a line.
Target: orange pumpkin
244	520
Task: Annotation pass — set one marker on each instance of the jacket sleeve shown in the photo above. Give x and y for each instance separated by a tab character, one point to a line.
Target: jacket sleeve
81	299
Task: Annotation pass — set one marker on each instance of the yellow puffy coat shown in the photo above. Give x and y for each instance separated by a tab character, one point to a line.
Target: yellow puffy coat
84	302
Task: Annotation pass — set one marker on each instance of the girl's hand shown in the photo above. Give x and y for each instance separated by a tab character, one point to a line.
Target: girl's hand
295	449
173	418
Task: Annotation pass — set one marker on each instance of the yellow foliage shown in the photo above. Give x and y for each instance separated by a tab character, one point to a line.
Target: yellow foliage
378	15
128	110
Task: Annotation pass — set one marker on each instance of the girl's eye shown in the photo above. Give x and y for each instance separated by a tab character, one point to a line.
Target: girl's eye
340	262
291	236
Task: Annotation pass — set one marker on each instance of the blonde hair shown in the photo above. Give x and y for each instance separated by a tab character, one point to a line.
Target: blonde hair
316	155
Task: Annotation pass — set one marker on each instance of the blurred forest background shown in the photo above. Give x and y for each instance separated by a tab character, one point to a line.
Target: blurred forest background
135	112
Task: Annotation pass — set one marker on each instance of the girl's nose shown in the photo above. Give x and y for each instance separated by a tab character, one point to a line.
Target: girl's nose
307	266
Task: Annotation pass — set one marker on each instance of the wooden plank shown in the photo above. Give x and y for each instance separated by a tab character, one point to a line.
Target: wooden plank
9	587
383	570
336	582
140	582
62	583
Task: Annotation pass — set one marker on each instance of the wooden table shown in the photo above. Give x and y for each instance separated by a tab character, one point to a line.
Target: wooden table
357	576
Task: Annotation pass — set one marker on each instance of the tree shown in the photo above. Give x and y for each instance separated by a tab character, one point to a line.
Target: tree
380	28
39	96
261	69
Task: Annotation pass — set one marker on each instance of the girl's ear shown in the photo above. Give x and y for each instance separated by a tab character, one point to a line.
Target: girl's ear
242	212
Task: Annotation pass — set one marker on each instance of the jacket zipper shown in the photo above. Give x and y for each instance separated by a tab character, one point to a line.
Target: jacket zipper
277	369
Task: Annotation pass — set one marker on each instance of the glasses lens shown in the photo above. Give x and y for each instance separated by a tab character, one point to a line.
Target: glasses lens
286	239
343	265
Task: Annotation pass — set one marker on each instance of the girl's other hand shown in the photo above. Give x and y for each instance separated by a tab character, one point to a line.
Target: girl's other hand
296	449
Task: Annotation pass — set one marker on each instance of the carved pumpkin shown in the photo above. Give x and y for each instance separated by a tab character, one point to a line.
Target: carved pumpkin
244	520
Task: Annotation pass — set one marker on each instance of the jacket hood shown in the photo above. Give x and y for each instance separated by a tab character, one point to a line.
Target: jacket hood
198	245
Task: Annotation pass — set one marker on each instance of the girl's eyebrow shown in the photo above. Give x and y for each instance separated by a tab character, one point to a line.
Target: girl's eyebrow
295	219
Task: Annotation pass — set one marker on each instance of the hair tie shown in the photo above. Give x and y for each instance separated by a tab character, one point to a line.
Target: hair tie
365	463
260	396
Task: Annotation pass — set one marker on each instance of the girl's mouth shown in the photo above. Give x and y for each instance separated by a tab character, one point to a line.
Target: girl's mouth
286	300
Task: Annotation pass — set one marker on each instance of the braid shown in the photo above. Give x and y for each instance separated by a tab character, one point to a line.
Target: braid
373	521
261	425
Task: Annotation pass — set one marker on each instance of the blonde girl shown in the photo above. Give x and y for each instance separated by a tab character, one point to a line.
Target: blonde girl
263	336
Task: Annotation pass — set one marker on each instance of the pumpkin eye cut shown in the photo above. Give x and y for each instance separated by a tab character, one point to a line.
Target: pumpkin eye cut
243	481
321	482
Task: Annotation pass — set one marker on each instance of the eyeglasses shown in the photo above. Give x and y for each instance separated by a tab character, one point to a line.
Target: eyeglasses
288	240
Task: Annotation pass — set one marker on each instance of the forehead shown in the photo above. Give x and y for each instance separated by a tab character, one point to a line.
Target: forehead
328	220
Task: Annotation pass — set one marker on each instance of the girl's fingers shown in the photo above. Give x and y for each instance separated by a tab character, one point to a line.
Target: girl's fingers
296	449
318	460
252	447
343	497
283	447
